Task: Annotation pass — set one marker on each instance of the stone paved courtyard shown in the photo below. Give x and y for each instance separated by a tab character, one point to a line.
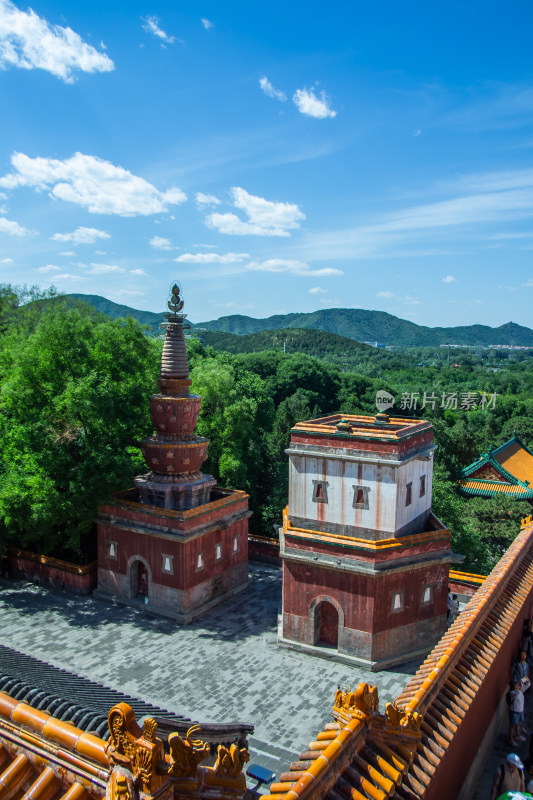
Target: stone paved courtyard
223	667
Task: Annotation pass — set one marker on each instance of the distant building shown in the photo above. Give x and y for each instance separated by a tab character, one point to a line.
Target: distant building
176	543
508	470
365	562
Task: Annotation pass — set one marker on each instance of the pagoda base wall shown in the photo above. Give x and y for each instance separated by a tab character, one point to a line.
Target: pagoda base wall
175	563
178	495
374	651
182	606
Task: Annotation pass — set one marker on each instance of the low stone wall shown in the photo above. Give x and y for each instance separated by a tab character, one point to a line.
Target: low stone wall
263	549
73	578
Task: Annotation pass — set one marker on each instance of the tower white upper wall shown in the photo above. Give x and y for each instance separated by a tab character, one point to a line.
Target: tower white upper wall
355	477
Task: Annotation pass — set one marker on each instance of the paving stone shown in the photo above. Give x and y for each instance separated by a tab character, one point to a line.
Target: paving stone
223	667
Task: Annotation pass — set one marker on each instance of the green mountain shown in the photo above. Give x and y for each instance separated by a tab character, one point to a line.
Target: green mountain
351	323
365	326
115	310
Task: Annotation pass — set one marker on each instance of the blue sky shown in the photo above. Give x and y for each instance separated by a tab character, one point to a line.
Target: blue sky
274	158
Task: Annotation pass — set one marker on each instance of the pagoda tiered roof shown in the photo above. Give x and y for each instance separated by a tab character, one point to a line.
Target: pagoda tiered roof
506	470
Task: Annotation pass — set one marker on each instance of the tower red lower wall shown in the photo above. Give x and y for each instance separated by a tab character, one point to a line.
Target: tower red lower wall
191	560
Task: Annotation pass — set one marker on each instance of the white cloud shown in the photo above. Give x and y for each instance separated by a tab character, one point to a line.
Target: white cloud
119	296
508	198
206	199
160	243
309	104
30	42
12	228
151	25
105	269
265	218
67	276
91	182
270	91
6	260
211	258
318	290
49	268
81	236
137	272
498	236
449	279
410	301
206	23
67	253
417	132
294	267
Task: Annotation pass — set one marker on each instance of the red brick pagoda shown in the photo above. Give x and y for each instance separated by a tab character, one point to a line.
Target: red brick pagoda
176	543
365	562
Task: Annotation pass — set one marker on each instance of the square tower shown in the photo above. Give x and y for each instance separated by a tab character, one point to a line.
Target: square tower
365	562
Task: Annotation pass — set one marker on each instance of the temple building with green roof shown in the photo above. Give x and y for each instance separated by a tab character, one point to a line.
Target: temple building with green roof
507	470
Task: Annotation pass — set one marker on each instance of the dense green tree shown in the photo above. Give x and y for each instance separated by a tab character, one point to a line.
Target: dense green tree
73	407
72	410
496	521
303	372
236	412
467	540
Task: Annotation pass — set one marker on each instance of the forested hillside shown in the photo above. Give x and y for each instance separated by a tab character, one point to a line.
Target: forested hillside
74	386
367	326
352	323
340	350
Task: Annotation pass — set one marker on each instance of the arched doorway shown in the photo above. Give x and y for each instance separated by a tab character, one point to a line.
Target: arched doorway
139	579
327	624
142	579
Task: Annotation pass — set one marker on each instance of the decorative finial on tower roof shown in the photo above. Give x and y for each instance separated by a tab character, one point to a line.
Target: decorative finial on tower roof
174	364
175	304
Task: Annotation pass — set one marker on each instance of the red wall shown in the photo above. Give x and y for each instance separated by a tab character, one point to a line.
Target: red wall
318	544
454	766
365	600
265	550
151	547
402	447
52	576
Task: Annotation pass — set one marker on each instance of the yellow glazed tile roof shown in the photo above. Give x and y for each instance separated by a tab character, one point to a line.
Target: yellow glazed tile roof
491	487
516	460
44	758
